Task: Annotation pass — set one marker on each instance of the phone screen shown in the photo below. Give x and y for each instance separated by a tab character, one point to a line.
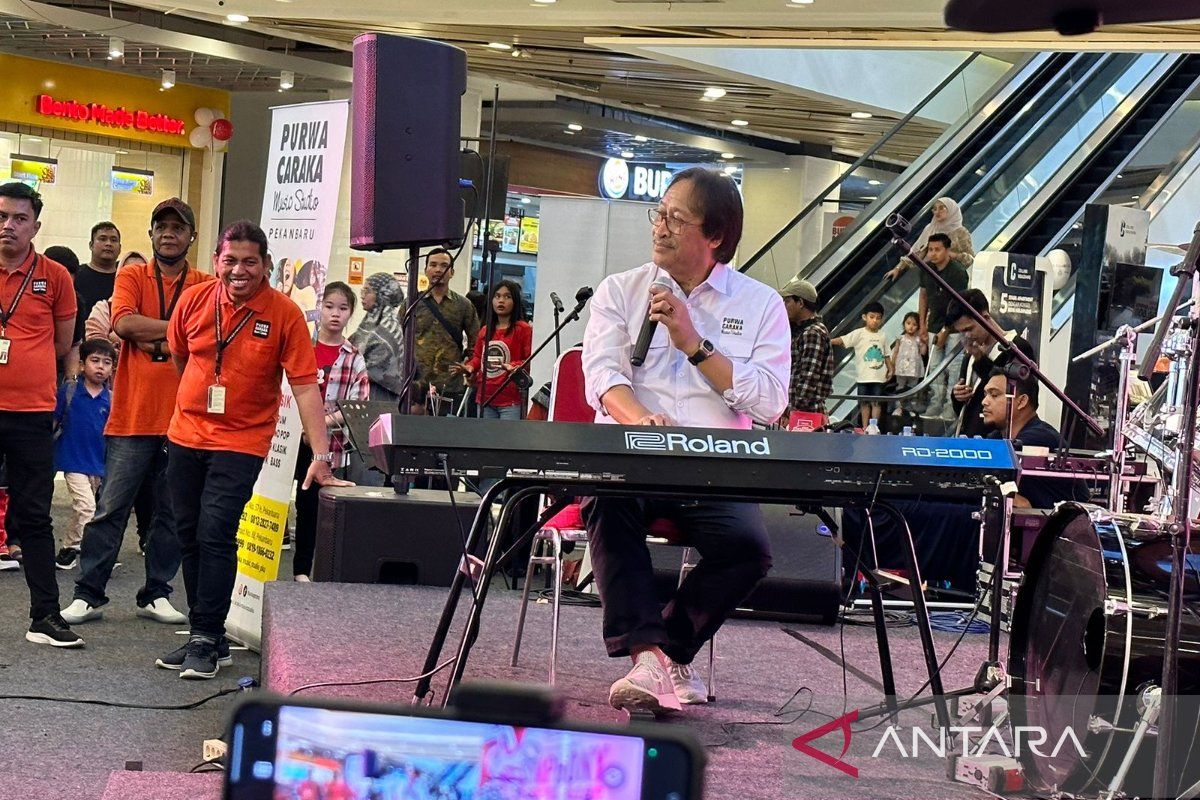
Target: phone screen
305	753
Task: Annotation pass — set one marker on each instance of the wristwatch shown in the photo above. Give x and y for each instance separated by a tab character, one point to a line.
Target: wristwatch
326	457
705	350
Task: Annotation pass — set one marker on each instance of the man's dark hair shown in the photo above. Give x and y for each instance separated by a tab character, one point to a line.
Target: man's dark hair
873	308
719	202
22	191
437	250
940	237
244	231
95	346
1027	386
103	226
63	255
338	286
975	299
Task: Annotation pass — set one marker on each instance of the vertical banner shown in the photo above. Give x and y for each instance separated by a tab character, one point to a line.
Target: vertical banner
304	173
1016	298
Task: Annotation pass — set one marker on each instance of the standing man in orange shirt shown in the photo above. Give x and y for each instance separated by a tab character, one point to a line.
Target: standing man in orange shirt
144	297
37	324
232	340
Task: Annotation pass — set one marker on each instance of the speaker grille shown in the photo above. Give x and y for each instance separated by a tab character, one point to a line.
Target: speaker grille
362	148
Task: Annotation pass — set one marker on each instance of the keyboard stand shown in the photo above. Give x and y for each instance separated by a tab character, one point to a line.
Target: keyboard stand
566	490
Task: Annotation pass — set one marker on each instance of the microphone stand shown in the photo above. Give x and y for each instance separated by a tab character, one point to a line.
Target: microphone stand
899	227
571	317
557	328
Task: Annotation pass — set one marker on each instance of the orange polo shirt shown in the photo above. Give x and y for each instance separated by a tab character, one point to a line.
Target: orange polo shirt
273	343
143	395
29	379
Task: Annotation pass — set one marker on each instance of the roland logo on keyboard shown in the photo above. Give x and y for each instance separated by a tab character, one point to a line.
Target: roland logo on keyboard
680	442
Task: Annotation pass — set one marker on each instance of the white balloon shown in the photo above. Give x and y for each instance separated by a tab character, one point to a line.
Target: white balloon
205	116
1060	268
200	137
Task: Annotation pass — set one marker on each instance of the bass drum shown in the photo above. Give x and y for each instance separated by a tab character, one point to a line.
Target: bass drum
1088	631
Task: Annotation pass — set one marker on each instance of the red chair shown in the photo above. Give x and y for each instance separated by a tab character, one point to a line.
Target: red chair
568	403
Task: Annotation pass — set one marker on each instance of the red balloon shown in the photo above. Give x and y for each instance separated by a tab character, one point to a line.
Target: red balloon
222	130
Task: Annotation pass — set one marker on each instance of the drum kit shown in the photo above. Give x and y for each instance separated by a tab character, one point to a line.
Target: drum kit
1105	628
1100	609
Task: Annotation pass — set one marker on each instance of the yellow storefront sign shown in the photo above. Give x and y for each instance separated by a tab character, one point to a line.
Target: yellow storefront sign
99	102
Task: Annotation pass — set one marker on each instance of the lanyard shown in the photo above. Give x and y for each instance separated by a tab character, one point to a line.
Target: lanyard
5	316
222	343
164	310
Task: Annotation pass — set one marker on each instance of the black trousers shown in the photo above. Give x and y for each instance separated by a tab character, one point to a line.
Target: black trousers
27	449
305	539
735	555
209	489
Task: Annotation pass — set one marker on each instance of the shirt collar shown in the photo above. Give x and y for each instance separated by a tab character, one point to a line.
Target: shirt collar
150	268
718	278
258	301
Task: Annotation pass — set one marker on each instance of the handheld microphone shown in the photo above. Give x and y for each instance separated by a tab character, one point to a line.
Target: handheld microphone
558	303
646	335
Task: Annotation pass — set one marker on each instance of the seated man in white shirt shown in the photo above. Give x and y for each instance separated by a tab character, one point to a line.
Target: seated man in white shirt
720	358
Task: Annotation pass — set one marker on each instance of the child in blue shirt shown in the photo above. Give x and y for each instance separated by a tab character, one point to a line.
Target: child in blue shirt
80	417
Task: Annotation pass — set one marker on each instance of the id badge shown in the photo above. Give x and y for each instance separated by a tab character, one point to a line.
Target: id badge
4	345
216	399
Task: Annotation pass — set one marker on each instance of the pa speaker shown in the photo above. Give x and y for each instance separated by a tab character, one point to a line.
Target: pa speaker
369	535
474	169
405	154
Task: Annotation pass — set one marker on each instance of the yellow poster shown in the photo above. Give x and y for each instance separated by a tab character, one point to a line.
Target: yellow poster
260	537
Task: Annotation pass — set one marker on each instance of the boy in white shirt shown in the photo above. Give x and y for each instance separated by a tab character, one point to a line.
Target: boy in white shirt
873	365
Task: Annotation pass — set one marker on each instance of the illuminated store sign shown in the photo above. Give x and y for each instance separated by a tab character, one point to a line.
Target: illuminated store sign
623	180
107	116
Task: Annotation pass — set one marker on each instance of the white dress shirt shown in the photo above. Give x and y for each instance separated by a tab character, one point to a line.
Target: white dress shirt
743	318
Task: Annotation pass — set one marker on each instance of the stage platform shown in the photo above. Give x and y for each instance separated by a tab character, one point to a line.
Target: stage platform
349	632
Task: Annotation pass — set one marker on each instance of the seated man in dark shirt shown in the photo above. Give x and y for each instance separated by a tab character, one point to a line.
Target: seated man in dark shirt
1028	430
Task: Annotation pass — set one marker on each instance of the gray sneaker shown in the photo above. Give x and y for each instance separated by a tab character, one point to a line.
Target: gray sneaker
645	688
200	659
174	659
688	685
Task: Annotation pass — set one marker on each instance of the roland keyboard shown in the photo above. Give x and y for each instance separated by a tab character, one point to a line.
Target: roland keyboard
707	462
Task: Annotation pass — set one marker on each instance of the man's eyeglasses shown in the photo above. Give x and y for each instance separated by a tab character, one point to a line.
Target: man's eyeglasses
674	224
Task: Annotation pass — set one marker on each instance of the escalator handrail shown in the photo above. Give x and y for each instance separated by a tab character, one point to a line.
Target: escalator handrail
858	162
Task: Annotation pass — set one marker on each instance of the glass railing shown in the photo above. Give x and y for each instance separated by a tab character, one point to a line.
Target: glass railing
959	96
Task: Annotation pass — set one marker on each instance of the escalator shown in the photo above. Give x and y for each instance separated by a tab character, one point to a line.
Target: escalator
1024	190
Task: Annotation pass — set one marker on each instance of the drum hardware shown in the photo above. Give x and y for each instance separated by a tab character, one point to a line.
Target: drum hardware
1149	706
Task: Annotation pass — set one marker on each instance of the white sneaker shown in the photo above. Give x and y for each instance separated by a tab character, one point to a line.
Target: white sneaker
645	688
689	687
79	611
302	579
161	610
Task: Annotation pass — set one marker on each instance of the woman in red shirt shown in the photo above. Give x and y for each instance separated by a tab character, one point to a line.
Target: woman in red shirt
508	348
343	376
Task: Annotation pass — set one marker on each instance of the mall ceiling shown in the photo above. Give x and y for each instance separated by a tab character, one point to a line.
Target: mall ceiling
564	52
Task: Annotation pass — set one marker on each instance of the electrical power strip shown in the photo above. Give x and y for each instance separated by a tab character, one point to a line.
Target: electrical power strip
214	749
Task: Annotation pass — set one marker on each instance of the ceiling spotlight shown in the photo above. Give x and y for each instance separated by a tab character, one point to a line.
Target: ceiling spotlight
236	19
727	155
861	115
287	79
499	45
575	126
874	182
730	169
526	200
122	152
116	48
627	154
544	2
800	2
568	130
714	92
168	78
640	138
741	123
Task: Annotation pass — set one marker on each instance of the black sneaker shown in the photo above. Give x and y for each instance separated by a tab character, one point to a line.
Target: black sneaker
67	558
54	631
174	659
200	659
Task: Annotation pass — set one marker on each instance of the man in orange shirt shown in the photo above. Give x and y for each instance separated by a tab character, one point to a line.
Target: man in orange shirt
37	323
232	340
144	297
